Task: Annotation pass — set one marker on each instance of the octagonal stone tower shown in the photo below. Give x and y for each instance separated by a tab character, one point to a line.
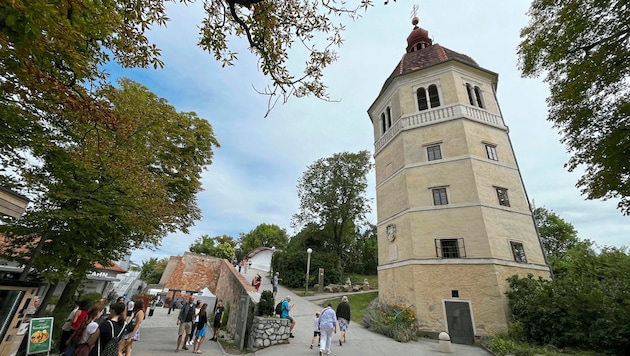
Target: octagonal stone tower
454	219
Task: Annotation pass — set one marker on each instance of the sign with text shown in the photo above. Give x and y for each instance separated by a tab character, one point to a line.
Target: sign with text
39	335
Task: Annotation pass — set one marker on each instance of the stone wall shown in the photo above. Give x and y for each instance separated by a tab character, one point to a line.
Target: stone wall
266	332
230	286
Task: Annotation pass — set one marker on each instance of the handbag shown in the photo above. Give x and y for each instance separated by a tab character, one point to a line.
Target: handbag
131	325
82	350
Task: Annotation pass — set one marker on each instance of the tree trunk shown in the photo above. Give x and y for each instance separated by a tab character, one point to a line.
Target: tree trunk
68	293
44	302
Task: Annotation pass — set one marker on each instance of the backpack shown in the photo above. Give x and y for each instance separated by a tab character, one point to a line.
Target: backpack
111	347
279	308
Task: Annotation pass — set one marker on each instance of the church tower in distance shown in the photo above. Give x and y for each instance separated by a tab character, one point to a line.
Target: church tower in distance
454	220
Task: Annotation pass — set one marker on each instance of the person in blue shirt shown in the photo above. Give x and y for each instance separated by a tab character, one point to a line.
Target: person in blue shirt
286	308
327	326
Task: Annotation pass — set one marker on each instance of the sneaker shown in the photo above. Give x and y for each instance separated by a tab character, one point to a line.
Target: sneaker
340	344
311	347
321	353
327	352
291	335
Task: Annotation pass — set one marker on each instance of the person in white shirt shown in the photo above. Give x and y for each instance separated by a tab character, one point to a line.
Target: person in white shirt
327	326
193	328
130	306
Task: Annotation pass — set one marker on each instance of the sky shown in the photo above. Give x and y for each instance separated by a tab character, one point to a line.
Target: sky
254	173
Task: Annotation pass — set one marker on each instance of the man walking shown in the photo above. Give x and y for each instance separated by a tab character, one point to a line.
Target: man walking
274	282
327	326
184	321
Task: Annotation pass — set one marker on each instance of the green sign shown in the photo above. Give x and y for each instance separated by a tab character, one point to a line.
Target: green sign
40	334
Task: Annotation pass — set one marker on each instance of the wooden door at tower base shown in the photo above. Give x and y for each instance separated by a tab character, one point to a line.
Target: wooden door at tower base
459	322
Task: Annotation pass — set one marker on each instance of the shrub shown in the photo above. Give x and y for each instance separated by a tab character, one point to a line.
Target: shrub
266	305
393	320
501	345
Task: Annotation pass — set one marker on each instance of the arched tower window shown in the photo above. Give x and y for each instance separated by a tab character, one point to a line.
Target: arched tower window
422	99
383	127
478	96
434	98
469	90
421	93
389	117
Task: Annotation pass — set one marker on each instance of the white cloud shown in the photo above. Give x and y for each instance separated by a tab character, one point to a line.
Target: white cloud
255	172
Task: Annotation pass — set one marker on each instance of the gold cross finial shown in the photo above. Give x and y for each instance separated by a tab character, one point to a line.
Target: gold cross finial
414	11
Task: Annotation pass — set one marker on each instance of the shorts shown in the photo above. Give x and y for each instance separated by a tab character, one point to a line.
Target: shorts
288	317
184	328
343	324
275	289
316	333
217	323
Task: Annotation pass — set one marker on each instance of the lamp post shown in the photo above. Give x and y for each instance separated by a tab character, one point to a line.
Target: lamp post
308	267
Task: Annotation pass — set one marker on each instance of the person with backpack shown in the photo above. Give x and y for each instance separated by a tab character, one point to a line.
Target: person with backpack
109	332
284	314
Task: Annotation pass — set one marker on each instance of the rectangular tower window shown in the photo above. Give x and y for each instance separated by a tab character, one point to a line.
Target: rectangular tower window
503	197
491	150
434	153
439	196
518	251
450	248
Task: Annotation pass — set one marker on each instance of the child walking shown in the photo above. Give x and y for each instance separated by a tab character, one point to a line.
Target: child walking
200	334
316	333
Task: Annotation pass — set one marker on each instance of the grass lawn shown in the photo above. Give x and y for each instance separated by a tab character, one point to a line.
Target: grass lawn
358	304
358	279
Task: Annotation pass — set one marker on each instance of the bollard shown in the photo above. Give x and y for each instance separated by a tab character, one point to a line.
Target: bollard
444	343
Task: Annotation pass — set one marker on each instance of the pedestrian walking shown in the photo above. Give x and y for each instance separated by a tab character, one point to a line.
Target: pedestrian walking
275	281
316	332
343	316
327	326
193	328
152	307
200	333
132	329
184	321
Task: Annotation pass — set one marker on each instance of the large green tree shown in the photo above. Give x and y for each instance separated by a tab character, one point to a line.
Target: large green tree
152	270
582	47
557	236
268	235
332	195
218	246
50	50
99	190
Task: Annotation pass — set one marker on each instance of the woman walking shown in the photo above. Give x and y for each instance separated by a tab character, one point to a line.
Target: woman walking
132	333
200	334
109	331
343	316
82	335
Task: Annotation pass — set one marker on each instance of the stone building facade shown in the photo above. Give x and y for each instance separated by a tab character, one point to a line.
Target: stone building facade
454	220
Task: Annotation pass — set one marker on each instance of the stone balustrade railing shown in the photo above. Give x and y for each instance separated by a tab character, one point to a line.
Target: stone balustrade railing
428	117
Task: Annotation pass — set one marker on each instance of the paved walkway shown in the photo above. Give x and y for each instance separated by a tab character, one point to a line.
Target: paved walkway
159	335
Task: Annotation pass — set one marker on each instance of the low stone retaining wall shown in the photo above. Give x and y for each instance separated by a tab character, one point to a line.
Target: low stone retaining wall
268	331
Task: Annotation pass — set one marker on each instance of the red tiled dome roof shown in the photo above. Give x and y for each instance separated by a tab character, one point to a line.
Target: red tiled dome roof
418	36
422	53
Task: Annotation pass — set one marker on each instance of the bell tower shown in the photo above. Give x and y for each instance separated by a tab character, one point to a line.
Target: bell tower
454	220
